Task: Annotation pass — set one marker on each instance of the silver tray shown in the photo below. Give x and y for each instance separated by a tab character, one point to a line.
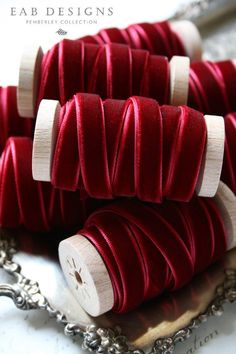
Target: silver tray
155	327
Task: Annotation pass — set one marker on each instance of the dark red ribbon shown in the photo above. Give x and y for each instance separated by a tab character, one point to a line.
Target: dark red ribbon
128	148
117	71
157	38
36	205
11	124
112	71
150	249
229	165
212	87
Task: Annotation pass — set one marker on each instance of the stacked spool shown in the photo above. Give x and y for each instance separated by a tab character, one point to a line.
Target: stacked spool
14	126
95	279
91	281
48	137
183	31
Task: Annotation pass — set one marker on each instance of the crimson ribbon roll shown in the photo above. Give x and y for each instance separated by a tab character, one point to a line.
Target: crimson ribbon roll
229	164
11	124
113	71
166	244
212	87
128	148
150	249
117	71
37	206
157	38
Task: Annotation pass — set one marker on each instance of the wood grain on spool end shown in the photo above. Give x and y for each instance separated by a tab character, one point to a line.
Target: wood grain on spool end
179	80
45	134
28	83
190	37
211	167
86	275
226	202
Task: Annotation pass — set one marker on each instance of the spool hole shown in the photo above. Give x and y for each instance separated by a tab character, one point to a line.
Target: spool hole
78	277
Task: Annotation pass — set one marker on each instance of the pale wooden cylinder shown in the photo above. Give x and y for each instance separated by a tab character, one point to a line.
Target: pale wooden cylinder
86	275
190	37
45	135
210	172
179	80
29	76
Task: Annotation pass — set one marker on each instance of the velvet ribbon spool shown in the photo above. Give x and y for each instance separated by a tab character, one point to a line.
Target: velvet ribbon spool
90	60
16	209
229	165
165	38
52	209
212	87
116	71
12	125
36	206
128	148
10	122
129	252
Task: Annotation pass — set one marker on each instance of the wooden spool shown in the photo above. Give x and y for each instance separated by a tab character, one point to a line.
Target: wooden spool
210	172
179	80
93	287
31	59
190	37
45	135
29	77
86	274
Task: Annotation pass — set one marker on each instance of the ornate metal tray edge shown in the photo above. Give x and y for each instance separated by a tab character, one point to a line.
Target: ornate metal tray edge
26	295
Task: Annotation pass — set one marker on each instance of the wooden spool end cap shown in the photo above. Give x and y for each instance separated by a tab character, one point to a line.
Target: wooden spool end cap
86	275
190	37
179	80
29	76
211	167
226	202
45	135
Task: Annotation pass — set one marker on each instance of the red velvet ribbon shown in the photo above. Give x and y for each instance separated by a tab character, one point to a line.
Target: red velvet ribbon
113	71
229	165
36	205
128	148
165	244
12	125
10	122
117	71
157	38
212	87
